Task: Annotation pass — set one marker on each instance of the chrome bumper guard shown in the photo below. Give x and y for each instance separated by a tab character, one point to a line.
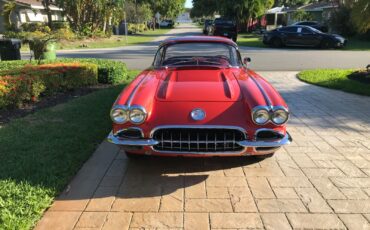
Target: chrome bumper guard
150	142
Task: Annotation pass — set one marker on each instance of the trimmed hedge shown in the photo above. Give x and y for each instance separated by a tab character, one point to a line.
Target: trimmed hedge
27	84
109	72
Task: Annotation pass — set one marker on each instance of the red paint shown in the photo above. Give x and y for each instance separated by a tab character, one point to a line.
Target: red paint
228	96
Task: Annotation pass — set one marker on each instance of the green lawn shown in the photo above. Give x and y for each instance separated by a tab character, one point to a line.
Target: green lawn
251	40
114	41
41	152
335	79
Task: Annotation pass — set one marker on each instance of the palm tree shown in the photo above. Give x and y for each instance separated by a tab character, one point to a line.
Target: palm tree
8	10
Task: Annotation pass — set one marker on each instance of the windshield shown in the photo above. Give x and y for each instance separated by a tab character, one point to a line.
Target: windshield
199	54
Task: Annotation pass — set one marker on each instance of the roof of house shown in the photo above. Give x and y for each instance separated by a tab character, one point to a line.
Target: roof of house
35	4
318	6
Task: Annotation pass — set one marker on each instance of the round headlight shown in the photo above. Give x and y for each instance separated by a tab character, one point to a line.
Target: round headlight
137	115
261	116
119	115
280	116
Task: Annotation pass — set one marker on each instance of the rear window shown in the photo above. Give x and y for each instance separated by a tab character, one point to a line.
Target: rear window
224	22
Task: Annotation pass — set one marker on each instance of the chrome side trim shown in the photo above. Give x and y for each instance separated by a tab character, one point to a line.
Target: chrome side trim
131	97
265	96
198	127
284	141
131	142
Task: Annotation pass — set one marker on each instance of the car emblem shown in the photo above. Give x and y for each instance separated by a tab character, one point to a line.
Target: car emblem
198	114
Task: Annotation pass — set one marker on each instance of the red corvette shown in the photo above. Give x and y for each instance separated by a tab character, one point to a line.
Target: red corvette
199	99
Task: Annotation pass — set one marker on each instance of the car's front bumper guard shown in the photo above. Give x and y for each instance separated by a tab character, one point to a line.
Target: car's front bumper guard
151	142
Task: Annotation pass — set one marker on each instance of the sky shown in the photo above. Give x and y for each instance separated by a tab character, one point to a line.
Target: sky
189	3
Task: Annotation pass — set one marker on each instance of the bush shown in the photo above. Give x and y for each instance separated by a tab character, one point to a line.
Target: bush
341	23
109	72
26	84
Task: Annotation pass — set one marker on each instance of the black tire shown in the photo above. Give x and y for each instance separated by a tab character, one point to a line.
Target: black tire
265	156
277	43
325	44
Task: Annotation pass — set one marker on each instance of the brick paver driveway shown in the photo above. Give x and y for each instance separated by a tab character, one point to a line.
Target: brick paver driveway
321	181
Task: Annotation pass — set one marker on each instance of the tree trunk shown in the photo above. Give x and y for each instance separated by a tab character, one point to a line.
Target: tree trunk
46	4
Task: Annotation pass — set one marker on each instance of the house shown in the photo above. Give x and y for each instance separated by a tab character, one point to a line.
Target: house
282	16
28	11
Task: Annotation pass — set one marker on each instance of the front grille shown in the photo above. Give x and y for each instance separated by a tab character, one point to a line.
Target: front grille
200	140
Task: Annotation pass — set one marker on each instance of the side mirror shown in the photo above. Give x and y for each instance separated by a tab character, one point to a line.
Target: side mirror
247	60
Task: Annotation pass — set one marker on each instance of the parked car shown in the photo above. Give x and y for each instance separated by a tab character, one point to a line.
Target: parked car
207	26
225	28
166	23
313	24
199	99
302	36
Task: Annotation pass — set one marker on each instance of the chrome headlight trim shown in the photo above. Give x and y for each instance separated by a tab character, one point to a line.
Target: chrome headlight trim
277	109
260	109
270	111
138	108
123	109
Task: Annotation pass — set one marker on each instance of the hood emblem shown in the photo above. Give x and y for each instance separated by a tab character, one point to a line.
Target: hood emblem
198	114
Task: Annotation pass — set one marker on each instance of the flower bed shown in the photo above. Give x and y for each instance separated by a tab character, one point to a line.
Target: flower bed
24	81
27	84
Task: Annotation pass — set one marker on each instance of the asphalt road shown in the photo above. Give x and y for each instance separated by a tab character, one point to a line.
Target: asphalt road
263	59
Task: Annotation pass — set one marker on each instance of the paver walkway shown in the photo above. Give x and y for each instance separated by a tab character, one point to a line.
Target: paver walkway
321	181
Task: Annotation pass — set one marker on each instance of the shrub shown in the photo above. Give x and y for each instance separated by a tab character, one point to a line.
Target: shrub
109	72
18	86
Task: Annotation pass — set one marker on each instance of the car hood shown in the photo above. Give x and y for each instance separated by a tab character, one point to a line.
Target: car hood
215	85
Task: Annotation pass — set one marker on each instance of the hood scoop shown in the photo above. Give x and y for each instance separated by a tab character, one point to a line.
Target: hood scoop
199	85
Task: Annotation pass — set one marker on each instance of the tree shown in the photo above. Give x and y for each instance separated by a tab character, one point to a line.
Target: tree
46	4
360	15
8	9
138	12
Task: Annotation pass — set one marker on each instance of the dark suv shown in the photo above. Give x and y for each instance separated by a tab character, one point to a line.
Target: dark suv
225	28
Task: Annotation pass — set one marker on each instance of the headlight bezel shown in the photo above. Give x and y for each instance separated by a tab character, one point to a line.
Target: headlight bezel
122	108
270	110
261	108
141	109
277	109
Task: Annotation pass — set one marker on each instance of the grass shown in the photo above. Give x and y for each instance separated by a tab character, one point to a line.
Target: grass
251	40
334	79
41	152
114	41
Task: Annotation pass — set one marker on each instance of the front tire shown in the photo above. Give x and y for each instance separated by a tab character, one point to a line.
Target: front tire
277	43
325	44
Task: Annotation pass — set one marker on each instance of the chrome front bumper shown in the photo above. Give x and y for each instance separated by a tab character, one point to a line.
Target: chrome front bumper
151	142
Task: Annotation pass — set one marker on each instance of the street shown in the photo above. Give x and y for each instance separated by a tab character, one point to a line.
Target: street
263	59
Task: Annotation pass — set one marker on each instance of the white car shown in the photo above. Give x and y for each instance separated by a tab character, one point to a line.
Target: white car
166	23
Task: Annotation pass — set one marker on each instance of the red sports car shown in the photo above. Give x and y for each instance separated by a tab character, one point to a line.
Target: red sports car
199	99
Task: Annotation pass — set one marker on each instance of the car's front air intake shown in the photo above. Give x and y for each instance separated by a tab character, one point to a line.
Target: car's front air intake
199	140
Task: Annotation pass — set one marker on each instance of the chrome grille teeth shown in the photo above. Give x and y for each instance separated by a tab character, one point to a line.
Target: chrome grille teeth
198	140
